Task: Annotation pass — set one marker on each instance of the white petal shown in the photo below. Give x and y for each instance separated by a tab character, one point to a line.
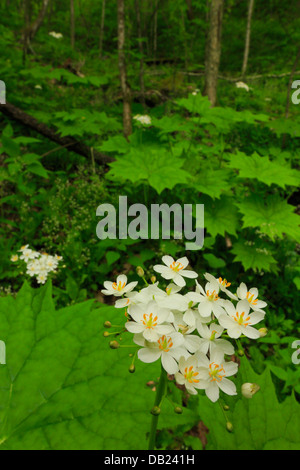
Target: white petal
189	274
212	392
149	355
184	261
169	363
230	368
242	290
122	279
179	378
168	260
164	329
192	343
130	286
205	308
136	312
226	321
250	332
134	327
178	279
189	317
227	387
256	317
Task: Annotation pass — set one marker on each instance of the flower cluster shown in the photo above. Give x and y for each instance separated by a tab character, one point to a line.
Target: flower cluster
37	264
186	330
242	85
143	119
55	35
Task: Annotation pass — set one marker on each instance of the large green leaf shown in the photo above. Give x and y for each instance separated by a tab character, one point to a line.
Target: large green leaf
263	169
62	387
220	215
213	182
253	255
259	423
157	167
273	216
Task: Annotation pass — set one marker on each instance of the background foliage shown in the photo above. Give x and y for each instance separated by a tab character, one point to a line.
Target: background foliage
240	159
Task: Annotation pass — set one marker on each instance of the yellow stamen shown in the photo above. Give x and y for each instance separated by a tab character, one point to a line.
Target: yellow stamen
189	375
176	266
215	372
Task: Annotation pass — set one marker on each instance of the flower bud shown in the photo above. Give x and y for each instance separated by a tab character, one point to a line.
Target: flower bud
153	279
114	345
106	334
263	332
226	407
229	426
155	411
178	410
140	272
107	324
249	389
241	353
131	369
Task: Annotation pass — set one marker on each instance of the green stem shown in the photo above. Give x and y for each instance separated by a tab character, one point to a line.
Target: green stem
158	398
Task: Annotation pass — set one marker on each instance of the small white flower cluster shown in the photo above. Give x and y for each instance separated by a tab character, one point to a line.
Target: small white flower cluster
143	119
55	35
37	264
242	85
185	330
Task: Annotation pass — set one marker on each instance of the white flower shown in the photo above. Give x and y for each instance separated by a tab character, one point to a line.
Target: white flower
55	35
129	299
209	300
213	374
143	119
191	342
251	297
38	87
28	254
42	278
149	319
34	268
242	85
119	287
168	347
210	339
238	321
175	270
222	283
188	374
14	258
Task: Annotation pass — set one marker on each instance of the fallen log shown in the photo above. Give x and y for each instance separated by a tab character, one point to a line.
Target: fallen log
15	113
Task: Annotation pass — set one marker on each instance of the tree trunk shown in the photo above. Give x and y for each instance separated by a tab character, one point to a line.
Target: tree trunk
102	29
26	40
141	50
190	12
213	50
247	40
69	143
72	23
33	29
127	124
